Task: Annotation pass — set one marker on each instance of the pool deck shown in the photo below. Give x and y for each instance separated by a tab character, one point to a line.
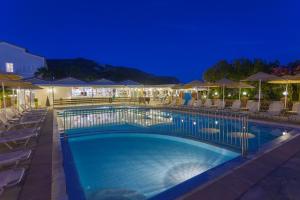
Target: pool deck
37	183
273	174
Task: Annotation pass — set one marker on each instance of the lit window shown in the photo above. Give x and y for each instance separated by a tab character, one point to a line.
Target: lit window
9	67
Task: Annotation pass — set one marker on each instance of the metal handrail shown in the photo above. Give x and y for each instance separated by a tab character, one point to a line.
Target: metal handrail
219	127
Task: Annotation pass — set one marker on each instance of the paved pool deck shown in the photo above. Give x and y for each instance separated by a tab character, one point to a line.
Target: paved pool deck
37	183
272	175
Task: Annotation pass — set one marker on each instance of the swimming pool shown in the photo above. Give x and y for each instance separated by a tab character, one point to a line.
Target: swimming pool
137	153
139	166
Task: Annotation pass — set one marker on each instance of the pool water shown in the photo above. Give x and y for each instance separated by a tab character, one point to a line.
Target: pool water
139	166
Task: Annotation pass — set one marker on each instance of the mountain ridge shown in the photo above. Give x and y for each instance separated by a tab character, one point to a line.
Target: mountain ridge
89	70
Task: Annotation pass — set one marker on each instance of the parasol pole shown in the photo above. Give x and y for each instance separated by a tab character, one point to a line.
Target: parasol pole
18	98
13	98
24	99
259	95
3	97
207	93
285	95
223	95
30	99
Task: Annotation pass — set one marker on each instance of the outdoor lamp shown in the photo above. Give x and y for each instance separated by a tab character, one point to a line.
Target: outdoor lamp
244	93
216	93
285	93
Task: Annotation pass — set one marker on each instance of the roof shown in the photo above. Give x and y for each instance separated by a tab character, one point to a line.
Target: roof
69	81
21	48
129	82
37	81
103	81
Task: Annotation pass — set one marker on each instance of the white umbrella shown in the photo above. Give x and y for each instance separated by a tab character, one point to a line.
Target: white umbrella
224	82
260	77
286	79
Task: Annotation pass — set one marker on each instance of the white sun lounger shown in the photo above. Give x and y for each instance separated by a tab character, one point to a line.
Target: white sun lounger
275	108
10	123
295	112
11	177
197	103
219	104
236	105
252	106
207	103
14	138
14	157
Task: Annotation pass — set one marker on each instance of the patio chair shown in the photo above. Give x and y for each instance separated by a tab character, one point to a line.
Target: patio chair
14	157
11	177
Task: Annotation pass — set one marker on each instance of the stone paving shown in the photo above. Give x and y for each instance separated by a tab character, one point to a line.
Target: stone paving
37	185
283	183
272	175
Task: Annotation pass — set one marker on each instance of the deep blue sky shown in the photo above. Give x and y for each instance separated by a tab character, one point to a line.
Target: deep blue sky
166	37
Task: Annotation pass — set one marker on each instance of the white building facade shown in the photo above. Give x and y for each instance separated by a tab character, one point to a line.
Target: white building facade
17	60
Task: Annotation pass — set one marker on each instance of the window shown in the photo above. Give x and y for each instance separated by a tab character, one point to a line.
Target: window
9	67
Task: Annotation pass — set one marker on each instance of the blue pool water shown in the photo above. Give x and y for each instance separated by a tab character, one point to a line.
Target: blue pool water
122	153
138	166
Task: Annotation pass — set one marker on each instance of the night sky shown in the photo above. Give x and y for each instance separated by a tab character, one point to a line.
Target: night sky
165	37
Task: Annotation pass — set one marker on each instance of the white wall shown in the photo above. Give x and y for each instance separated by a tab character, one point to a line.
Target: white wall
25	64
58	92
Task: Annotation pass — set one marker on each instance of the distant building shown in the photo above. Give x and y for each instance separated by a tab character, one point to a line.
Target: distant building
17	60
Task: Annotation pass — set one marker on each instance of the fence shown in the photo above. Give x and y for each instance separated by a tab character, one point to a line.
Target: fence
98	100
209	125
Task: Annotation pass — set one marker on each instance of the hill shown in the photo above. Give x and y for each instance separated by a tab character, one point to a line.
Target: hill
89	70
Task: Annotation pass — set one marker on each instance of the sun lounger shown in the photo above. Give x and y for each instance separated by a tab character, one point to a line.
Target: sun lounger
236	105
17	137
197	103
219	104
295	112
252	106
14	157
8	132
11	177
275	108
173	103
190	103
207	103
9	123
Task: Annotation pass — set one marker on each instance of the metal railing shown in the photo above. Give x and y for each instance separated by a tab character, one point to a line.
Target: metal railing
221	127
100	100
